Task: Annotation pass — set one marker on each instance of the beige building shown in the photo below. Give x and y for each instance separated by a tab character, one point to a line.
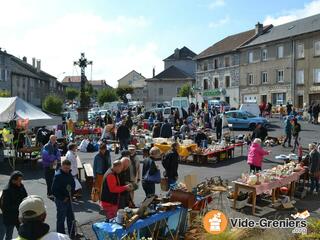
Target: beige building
283	64
130	79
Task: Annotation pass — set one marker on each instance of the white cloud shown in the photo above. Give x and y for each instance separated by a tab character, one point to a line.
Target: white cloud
217	3
59	40
220	22
309	9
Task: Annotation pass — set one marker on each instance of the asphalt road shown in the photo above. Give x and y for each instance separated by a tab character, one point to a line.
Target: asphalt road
87	211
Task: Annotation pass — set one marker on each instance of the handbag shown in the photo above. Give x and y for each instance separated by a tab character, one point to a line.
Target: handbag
94	194
155	178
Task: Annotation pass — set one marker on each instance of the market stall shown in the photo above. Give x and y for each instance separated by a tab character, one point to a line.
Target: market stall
184	149
268	181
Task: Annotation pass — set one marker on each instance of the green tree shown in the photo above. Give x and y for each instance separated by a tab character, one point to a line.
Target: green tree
4	93
122	91
71	93
107	95
90	90
52	104
185	90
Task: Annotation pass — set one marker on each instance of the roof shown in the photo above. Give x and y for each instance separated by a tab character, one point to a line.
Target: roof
172	73
99	83
42	75
132	72
71	79
18	69
298	27
181	54
230	43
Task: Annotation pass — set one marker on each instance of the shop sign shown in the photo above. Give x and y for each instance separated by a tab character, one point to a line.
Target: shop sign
211	93
315	89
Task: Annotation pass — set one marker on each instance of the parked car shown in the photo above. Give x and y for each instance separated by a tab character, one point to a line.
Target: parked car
251	108
245	120
218	104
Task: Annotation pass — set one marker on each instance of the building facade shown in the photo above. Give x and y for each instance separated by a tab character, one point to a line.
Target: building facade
29	82
283	64
130	79
218	68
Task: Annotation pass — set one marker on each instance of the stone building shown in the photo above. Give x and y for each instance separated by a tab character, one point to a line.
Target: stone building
218	67
27	81
130	78
283	64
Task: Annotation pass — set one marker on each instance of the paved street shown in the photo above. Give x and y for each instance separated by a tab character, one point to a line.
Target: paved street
87	211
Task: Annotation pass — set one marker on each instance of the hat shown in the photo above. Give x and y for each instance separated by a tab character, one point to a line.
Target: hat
155	152
31	207
131	147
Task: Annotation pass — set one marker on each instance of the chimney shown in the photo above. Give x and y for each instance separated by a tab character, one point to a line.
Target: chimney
153	72
38	65
176	53
259	28
34	62
24	59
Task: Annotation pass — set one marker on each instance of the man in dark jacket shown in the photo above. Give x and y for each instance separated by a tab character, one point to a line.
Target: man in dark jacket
260	132
166	130
199	137
170	164
12	196
314	168
218	126
63	186
123	135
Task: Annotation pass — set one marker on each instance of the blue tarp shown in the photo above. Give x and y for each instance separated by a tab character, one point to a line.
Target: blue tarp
105	230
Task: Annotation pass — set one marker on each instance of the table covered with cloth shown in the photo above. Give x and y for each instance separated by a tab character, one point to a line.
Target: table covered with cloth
112	230
183	150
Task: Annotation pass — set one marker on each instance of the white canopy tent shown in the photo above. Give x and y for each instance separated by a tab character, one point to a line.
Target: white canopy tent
14	108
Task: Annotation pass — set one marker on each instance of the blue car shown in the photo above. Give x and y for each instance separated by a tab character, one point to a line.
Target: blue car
245	120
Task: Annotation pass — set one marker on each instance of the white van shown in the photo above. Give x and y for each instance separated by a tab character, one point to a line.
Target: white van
251	108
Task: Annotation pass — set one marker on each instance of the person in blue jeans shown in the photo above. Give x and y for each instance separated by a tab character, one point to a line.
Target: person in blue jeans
63	185
170	163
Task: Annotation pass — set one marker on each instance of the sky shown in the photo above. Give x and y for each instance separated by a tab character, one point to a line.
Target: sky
124	35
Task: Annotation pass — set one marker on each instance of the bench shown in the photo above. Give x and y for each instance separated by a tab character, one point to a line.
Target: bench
88	173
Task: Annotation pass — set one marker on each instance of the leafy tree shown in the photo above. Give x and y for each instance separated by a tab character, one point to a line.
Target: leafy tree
185	90
107	95
122	91
90	90
4	93
71	93
52	104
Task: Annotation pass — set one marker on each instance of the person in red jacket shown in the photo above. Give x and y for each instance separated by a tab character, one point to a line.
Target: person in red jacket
255	155
111	189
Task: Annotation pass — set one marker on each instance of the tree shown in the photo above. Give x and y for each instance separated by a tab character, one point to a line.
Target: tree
52	104
4	93
107	95
71	93
123	91
90	90
185	90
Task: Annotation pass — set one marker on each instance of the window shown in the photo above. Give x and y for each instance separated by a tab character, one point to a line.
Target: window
264	54
160	91
178	90
300	77
250	79
280	76
317	48
216	83
227	81
280	51
205	84
205	66
228	100
264	77
250	56
1	59
316	75
2	74
216	63
300	51
278	98
227	61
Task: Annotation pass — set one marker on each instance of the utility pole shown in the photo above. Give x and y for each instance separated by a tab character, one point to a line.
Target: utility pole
83	109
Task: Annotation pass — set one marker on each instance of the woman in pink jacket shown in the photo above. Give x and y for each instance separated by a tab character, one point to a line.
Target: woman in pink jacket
255	155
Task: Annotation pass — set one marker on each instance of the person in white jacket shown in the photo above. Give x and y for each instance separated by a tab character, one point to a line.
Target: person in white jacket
72	157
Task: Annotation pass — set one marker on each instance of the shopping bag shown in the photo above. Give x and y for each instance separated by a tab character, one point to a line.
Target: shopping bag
164	184
155	178
94	194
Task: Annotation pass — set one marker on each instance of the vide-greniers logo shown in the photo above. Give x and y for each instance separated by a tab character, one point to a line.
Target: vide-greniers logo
215	222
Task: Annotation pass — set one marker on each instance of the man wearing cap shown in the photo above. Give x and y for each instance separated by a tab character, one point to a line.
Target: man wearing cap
111	189
32	214
63	186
